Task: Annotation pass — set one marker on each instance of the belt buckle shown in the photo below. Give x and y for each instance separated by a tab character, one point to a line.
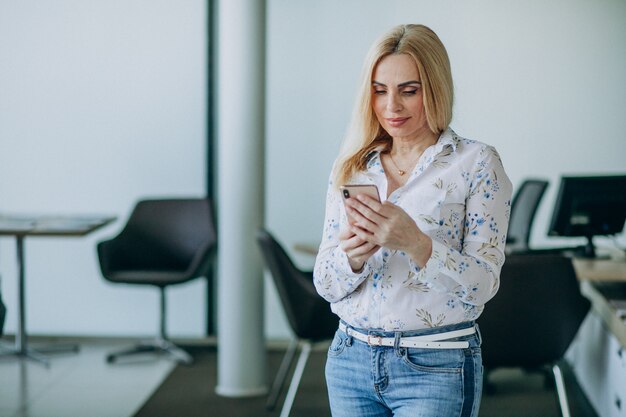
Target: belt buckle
374	340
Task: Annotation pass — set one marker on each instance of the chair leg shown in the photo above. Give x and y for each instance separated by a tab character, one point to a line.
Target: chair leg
560	390
279	380
140	348
295	380
154	346
174	351
160	345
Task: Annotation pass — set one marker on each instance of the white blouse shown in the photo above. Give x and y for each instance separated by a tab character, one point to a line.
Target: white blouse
460	196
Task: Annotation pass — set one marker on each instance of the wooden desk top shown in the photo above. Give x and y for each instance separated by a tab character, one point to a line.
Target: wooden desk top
600	269
597	277
306	248
603	308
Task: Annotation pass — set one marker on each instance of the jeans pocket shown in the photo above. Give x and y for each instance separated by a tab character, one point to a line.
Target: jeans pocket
338	343
434	360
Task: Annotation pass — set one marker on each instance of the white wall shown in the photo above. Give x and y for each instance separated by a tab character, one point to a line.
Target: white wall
542	81
101	103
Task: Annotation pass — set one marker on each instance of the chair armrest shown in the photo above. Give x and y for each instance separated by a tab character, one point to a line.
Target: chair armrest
109	256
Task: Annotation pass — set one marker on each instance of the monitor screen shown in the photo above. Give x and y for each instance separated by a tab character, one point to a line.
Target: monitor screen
589	206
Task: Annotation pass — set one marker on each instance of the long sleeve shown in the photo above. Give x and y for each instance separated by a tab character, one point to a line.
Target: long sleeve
332	275
472	274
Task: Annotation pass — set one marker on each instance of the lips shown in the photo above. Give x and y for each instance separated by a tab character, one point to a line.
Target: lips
397	121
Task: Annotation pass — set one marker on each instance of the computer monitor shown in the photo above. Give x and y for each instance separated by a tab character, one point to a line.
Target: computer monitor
589	206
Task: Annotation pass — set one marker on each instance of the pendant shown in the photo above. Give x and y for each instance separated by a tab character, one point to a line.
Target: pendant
401	172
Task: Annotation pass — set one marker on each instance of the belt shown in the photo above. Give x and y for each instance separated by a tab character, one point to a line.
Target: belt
428	341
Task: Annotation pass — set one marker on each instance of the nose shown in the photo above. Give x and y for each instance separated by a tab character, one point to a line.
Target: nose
394	104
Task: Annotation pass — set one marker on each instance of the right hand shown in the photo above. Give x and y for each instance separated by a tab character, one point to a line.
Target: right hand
358	250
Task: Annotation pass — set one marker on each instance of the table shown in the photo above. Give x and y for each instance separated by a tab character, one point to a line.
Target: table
601	281
603	270
597	356
40	225
307	248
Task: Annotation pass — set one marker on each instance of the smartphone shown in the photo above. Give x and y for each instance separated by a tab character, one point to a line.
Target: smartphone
352	190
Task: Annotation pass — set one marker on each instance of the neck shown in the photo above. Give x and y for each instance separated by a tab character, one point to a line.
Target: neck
406	147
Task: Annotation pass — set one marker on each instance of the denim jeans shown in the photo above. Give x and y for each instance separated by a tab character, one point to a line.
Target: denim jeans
377	381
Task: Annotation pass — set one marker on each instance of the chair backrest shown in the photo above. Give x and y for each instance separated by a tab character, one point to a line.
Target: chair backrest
3	312
536	313
308	314
523	209
166	234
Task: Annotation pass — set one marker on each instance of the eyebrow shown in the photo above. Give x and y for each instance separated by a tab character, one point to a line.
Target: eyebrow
404	84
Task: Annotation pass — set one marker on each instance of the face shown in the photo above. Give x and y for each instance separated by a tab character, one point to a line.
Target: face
397	98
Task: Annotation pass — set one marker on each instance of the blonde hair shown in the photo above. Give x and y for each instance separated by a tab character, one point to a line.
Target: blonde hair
365	133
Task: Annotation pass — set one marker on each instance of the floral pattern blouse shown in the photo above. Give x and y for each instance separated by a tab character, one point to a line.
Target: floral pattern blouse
460	196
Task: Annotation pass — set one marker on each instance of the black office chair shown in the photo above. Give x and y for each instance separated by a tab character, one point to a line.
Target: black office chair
308	314
533	318
3	313
165	242
523	209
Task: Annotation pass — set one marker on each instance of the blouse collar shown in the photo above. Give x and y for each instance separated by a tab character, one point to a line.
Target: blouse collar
447	138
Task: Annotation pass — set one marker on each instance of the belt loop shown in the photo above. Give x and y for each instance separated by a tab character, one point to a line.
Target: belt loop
480	336
349	334
396	342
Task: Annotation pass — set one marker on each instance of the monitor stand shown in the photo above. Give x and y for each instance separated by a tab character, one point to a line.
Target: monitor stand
588	251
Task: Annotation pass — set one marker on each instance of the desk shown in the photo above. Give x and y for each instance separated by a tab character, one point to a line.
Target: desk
22	226
600	270
306	248
597	354
595	277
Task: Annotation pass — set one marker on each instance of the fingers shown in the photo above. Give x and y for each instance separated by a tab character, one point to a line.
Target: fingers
351	243
365	222
356	247
359	220
364	211
371	251
345	234
365	235
367	206
378	224
363	251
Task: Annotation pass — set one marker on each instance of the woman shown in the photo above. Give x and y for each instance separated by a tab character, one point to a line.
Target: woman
409	276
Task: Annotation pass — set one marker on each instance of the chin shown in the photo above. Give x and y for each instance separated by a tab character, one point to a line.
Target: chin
399	131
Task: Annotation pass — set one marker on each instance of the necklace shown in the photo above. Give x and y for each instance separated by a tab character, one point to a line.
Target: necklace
401	172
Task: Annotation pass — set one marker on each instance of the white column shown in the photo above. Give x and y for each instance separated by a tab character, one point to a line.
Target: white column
240	143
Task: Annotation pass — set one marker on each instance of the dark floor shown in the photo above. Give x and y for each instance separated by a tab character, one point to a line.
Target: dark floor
189	392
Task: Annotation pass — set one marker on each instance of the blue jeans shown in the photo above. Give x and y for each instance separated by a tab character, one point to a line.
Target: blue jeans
377	381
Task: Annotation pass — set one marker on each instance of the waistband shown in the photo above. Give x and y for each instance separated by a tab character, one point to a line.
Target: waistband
427	341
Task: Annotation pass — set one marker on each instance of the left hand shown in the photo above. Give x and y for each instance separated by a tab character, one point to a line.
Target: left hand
385	224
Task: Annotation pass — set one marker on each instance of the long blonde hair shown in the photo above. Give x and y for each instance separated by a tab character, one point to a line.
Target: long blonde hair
365	133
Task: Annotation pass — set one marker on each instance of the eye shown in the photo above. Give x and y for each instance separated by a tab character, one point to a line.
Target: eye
409	92
379	92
